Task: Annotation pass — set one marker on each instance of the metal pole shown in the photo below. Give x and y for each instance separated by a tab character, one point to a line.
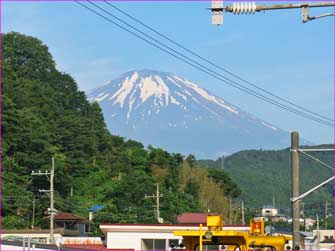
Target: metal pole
52	174
295	189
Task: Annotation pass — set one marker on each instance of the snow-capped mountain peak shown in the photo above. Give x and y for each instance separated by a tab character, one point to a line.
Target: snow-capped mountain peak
155	107
138	87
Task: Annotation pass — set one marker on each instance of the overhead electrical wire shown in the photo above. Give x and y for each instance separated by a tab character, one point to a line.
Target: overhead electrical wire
228	81
216	65
200	66
191	60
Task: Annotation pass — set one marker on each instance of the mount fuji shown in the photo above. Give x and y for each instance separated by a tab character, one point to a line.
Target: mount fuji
168	111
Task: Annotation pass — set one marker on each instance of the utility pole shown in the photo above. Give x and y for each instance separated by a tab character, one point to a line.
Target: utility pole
303	214
156	197
295	189
273	200
33	220
230	213
326	215
251	8
51	210
243	222
222	162
317	232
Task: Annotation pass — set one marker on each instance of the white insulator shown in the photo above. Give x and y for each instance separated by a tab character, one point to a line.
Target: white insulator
235	8
246	7
249	8
254	7
243	7
239	8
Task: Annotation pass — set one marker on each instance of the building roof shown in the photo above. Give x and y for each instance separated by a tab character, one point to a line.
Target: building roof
192	218
160	228
268	207
68	217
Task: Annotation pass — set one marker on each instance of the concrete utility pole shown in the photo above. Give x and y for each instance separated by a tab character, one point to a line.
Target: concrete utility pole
230	212
51	210
251	8
33	220
326	215
156	197
295	189
243	221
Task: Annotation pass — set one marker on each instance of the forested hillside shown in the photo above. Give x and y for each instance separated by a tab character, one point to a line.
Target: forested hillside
45	115
266	175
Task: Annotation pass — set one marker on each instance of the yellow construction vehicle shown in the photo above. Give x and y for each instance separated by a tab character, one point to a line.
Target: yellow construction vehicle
216	238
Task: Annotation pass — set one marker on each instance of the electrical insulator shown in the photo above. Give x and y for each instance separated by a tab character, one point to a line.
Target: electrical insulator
244	8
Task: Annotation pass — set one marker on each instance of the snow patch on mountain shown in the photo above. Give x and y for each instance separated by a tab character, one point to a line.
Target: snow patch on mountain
126	87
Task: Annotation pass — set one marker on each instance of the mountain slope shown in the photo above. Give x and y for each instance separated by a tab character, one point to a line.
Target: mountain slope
264	175
171	112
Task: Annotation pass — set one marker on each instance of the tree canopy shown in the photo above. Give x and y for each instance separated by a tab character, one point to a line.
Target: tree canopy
45	115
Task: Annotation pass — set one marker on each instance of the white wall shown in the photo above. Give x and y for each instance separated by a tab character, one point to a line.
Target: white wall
14	248
119	240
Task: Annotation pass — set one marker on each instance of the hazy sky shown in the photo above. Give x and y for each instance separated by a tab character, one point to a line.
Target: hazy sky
273	50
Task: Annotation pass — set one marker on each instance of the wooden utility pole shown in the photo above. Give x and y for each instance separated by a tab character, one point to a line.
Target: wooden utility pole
295	189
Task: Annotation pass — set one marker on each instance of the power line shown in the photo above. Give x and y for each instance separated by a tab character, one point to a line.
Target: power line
216	65
210	72
198	64
317	160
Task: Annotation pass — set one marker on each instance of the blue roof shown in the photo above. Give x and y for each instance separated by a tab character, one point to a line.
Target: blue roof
96	208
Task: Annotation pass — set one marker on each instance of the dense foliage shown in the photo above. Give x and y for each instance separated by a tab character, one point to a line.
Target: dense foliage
264	176
45	115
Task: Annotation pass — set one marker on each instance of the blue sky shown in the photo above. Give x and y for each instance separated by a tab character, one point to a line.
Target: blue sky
272	49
